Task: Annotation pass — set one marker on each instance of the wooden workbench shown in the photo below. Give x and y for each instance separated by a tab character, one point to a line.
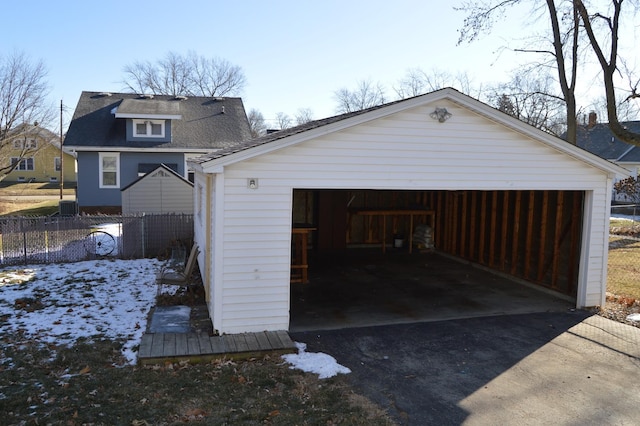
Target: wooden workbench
383	214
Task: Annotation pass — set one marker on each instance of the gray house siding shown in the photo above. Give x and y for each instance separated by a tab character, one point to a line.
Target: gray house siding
89	191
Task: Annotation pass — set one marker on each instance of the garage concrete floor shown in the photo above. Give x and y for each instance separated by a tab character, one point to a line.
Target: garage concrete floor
363	287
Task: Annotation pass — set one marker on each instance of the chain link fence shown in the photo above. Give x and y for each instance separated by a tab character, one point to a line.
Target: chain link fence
31	240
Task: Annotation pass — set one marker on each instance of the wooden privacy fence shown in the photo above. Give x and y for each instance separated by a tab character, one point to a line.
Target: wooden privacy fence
29	240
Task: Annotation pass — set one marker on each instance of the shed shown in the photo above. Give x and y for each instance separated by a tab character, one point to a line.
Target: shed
495	191
162	190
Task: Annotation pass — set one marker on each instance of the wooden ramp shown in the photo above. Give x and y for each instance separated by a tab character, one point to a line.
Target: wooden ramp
157	348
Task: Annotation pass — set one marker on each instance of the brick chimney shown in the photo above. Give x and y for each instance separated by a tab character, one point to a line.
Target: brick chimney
593	120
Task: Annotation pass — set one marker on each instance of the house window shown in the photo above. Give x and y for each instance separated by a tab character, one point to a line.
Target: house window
25	163
30	143
148	128
57	164
109	170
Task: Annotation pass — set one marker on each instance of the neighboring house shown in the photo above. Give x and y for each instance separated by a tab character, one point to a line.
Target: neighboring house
119	137
504	194
598	139
159	191
38	152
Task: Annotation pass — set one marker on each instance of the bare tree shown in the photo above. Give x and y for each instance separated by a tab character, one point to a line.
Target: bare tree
569	21
530	98
188	75
283	121
609	65
365	95
417	82
256	123
303	115
23	107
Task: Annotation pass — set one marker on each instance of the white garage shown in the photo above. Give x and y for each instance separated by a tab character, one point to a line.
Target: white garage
492	191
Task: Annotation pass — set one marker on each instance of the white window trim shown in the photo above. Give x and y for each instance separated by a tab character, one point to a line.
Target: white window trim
148	124
55	166
101	155
24	161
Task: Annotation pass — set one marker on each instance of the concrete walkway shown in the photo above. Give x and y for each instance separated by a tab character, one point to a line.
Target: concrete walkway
532	369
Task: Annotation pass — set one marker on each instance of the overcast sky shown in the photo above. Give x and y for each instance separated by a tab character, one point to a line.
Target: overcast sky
295	54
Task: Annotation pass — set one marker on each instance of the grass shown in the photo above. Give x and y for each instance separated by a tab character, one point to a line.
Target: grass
12	205
26	189
28	208
624	267
80	386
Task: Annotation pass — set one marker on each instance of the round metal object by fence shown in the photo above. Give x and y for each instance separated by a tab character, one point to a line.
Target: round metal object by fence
100	243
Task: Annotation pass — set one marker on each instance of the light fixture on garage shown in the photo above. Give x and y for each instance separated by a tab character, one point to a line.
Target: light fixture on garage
440	114
252	183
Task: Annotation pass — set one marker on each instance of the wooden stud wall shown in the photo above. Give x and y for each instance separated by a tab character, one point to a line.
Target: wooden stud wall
533	235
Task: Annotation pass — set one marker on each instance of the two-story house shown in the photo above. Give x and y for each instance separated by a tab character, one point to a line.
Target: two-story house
119	137
37	152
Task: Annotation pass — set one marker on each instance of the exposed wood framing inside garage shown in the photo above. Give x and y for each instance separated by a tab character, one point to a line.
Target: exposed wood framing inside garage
532	235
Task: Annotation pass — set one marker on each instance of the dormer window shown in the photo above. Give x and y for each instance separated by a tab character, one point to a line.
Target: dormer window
149	128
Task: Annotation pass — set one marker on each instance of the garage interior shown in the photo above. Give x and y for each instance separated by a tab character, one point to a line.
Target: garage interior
367	257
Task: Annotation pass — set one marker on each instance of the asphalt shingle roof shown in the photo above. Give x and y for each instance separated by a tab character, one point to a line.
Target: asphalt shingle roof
206	123
599	140
281	134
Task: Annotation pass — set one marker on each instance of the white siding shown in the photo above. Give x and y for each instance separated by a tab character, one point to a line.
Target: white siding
408	150
160	192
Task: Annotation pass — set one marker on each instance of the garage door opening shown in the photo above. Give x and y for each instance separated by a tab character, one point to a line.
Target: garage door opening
450	240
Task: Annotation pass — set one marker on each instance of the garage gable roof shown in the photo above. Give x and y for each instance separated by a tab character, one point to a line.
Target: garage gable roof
214	162
166	171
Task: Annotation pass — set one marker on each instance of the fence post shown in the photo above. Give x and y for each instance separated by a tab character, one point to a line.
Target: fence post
24	239
142	236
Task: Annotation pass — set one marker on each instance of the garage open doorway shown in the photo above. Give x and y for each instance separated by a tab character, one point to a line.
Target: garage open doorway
485	253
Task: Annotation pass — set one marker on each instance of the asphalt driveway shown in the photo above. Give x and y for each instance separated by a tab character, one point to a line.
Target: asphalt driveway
566	368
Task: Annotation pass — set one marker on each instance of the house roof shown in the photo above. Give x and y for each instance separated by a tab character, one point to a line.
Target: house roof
213	162
599	140
153	172
205	123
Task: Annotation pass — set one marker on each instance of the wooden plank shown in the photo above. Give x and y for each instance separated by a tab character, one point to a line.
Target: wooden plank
205	344
557	239
181	344
229	343
252	342
157	347
516	233
483	227
145	346
463	225
505	227
217	345
274	340
454	224
544	211
193	345
472	227
263	341
492	230
285	339
241	342
529	237
169	342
